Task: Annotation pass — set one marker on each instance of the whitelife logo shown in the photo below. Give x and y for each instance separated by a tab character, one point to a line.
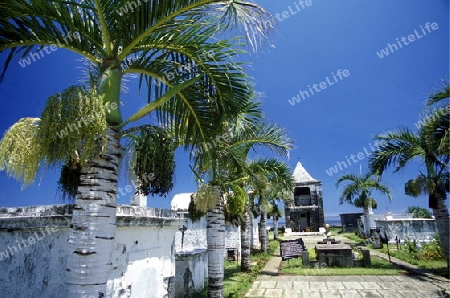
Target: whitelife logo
33	57
411	38
341	74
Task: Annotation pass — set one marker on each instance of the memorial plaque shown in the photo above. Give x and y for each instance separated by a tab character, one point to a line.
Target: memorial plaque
291	248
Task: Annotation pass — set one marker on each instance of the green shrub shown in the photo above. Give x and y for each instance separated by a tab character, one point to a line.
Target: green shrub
410	246
432	250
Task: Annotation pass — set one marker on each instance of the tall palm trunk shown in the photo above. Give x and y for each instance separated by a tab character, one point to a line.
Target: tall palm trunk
263	231
215	236
252	232
275	227
245	241
93	225
367	212
441	215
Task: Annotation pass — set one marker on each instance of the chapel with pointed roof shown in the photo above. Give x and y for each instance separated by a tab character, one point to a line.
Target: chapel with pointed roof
305	214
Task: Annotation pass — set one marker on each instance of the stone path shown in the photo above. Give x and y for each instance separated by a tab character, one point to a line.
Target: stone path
346	287
270	284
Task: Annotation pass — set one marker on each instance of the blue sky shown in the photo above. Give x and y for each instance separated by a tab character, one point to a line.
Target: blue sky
312	43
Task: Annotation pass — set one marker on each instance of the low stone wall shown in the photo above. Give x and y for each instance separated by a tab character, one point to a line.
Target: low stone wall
33	251
191	272
421	229
192	256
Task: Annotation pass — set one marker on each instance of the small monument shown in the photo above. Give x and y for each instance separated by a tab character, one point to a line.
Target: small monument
327	230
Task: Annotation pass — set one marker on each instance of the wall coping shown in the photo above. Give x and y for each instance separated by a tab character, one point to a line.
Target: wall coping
190	253
12	218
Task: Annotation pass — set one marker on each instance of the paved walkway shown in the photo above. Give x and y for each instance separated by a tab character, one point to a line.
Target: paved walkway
270	284
346	287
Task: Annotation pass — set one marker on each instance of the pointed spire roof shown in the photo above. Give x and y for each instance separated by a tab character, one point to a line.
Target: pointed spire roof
301	175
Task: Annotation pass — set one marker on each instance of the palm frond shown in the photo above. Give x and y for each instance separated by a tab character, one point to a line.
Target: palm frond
270	177
358	189
417	186
439	96
261	134
26	29
395	148
437	129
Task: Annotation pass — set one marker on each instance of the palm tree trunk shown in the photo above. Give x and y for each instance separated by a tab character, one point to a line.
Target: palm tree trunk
366	221
263	231
275	227
245	242
441	215
252	234
91	237
215	236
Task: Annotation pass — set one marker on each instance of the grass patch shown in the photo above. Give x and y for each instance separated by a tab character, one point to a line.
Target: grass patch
438	267
379	267
354	238
236	283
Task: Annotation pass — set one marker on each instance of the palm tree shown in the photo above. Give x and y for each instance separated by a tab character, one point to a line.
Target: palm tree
222	168
276	213
274	179
437	124
358	192
402	147
192	79
246	234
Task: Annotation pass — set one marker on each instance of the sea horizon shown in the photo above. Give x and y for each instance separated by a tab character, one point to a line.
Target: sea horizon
331	220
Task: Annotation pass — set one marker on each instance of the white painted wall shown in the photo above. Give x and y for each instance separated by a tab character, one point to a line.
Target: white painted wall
194	236
191	272
255	233
233	239
37	270
420	229
143	260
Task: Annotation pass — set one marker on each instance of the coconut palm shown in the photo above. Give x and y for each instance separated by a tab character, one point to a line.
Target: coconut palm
221	167
278	184
437	124
193	83
275	212
246	237
358	192
259	173
402	147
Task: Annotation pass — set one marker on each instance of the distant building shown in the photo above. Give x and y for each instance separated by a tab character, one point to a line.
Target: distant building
306	213
349	221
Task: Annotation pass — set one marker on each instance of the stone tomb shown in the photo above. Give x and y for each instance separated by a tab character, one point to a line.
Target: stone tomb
334	254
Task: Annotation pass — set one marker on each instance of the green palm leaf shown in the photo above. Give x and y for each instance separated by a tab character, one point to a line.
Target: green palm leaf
358	189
